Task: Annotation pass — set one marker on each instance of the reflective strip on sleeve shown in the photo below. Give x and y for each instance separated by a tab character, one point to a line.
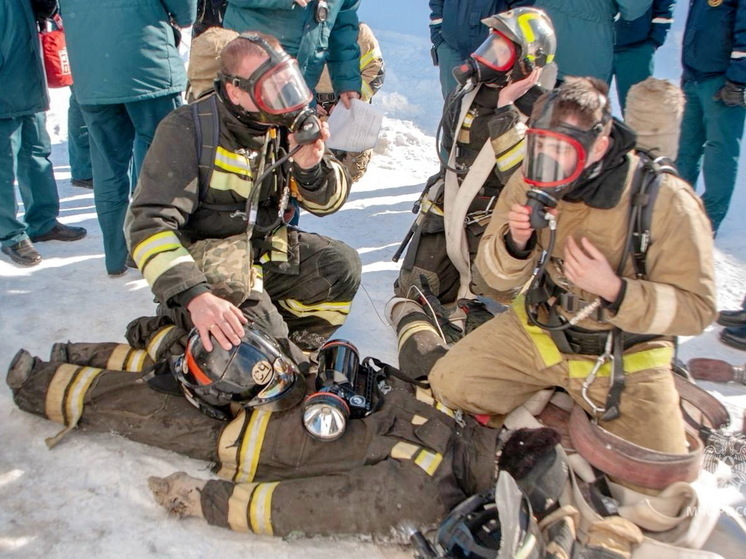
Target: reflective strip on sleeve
436	21
369	57
251	446
260	510
155	244
543	342
333	312
238	507
126	358
229	447
668	20
337	199
66	395
161	263
154	345
512	157
737	54
632	363
365	91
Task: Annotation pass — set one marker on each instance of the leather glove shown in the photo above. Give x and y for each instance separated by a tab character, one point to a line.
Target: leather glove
732	94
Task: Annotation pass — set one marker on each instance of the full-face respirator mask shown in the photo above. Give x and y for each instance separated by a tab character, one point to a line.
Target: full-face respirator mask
279	91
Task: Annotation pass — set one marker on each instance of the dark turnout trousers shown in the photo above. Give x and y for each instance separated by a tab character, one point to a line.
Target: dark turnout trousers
409	462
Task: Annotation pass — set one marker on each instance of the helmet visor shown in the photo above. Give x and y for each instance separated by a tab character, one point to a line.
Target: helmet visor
552	158
496	52
281	89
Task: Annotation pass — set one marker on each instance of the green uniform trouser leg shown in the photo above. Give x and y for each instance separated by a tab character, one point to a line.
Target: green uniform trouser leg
78	145
711	136
119	136
632	65
448	58
24	154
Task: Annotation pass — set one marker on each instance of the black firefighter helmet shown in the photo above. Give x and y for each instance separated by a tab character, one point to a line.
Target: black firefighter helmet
254	374
486	527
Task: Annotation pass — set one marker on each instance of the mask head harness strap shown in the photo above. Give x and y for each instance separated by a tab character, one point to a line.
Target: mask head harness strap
278	63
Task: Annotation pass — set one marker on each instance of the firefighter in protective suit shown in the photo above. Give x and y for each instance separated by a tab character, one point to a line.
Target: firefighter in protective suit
601	309
402	467
482	147
205	225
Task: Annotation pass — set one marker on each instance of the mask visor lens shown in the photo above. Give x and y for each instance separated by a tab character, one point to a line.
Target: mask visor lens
552	159
282	89
496	52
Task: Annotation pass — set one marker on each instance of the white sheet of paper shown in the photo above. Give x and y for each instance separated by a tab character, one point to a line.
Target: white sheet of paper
354	129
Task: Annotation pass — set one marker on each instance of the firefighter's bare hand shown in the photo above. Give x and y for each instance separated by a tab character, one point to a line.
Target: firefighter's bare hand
518	223
347	96
516	90
214	316
311	154
586	267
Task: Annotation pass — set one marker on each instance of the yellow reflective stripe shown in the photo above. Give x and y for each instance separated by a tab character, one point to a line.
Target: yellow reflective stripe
261	508
428	461
251	446
279	243
238	507
366	92
136	361
334	313
632	363
445	409
432	207
404	451
337	199
118	357
418	420
66	393
160	242
512	157
233	162
525	25
413	328
369	57
424	395
543	342
155	342
228	181
160	264
228	447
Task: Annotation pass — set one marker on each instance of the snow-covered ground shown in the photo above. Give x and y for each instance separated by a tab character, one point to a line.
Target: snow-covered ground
88	497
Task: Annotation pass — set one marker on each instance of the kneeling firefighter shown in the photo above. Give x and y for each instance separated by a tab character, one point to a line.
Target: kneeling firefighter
206	223
482	146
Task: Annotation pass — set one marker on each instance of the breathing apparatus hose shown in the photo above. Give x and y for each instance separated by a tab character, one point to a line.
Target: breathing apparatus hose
258	184
449	106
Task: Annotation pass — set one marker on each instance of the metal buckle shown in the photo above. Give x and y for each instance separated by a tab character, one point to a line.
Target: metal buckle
607	355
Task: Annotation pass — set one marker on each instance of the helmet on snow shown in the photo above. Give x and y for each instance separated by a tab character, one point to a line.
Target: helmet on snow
481	525
254	374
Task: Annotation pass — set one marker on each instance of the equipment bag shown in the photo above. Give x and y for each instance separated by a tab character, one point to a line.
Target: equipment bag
54	54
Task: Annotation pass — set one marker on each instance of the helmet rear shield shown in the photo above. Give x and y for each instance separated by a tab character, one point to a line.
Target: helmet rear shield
553	158
497	52
280	89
